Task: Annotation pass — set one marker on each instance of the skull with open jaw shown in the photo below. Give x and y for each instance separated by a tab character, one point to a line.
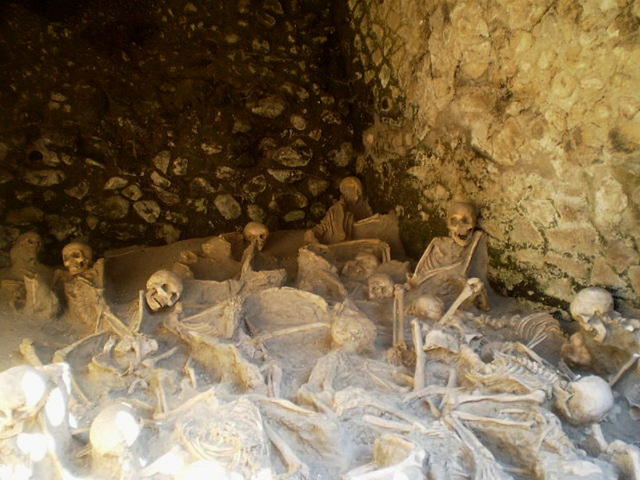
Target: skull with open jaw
461	221
163	290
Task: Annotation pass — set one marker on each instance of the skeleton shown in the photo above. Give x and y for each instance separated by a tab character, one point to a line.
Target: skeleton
26	286
83	284
234	436
472	289
24	258
35	419
337	224
299	432
606	341
449	261
514	369
520	426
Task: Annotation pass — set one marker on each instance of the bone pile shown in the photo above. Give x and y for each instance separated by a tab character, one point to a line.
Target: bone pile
343	372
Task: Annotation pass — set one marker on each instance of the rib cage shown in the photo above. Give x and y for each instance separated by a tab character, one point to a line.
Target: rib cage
513	373
537	327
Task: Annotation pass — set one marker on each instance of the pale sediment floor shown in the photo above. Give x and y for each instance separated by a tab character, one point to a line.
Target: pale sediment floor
272	396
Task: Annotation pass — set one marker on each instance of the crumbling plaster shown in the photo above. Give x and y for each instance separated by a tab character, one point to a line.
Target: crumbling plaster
529	108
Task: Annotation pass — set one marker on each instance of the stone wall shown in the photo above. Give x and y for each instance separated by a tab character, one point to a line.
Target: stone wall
529	108
148	121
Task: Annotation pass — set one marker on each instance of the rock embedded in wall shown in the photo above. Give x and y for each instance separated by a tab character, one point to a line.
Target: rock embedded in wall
44	178
228	207
148	210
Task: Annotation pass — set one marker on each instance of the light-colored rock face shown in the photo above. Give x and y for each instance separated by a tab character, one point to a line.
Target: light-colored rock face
529	109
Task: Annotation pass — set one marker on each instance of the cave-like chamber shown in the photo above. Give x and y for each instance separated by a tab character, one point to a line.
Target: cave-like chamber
291	330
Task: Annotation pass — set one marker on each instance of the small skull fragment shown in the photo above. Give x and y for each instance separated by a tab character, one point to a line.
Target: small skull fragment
461	221
163	290
380	286
361	267
256	232
428	307
351	330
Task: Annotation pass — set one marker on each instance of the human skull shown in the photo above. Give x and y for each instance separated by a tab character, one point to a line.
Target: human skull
351	189
256	232
584	401
22	392
351	330
163	290
592	308
461	221
26	249
361	267
428	307
76	257
114	430
380	285
589	303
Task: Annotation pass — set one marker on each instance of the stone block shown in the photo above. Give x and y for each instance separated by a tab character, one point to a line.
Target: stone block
576	269
620	254
578	239
524	232
603	275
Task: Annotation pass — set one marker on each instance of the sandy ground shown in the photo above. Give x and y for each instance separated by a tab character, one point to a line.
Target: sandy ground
126	274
